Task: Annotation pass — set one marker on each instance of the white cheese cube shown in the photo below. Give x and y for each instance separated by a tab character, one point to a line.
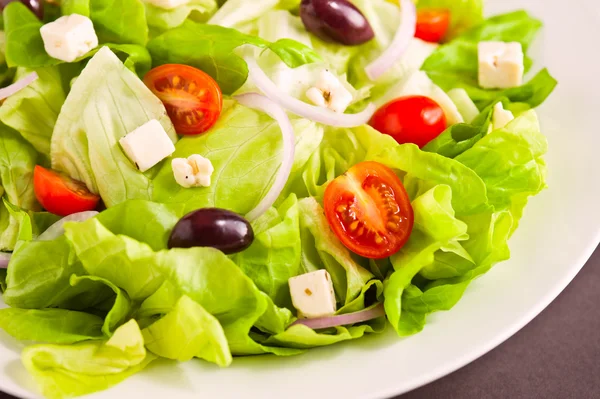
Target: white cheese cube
501	117
194	171
313	295
501	65
329	92
167	4
147	145
69	37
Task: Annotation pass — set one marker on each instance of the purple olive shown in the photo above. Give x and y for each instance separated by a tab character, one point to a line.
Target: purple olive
34	5
337	20
212	227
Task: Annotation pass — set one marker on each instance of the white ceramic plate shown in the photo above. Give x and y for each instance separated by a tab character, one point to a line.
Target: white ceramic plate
557	236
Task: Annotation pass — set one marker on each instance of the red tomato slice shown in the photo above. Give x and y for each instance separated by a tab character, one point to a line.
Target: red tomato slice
412	119
61	195
368	209
192	98
432	24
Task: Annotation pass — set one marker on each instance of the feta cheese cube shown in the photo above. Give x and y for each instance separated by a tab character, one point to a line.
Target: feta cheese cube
167	4
501	65
69	37
195	171
313	295
329	92
147	145
501	117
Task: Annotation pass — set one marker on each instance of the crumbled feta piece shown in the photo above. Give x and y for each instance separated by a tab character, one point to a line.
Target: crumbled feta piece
147	145
313	295
501	65
195	171
167	4
69	37
501	117
329	92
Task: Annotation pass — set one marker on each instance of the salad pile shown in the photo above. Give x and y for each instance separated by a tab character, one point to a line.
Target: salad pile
207	179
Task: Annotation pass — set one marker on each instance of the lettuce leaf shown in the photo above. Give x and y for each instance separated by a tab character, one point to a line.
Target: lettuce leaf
119	24
56	326
34	110
105	89
244	143
64	371
188	331
161	19
211	49
455	65
274	256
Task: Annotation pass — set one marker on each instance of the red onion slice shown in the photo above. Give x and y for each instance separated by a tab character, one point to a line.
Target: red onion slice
57	230
406	31
18	85
262	103
343	319
4	259
300	108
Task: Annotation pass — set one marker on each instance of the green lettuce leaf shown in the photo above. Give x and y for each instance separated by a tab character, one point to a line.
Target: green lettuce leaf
120	309
274	256
458	138
455	65
242	15
34	110
105	89
322	249
161	19
64	371
243	143
188	331
121	22
24	44
510	163
56	326
17	161
211	49
118	24
40	277
436	228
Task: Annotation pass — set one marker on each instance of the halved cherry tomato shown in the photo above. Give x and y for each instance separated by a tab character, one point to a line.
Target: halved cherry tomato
412	119
192	98
61	195
432	24
368	209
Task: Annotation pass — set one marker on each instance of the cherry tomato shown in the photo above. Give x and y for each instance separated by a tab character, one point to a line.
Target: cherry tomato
192	98
412	119
61	195
432	24
368	209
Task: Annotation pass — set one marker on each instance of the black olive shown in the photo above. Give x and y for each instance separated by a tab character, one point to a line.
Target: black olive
212	227
337	20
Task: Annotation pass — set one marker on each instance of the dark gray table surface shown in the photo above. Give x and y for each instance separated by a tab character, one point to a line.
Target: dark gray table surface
557	355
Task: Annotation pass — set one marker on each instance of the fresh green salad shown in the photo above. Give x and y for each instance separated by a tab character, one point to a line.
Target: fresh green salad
208	179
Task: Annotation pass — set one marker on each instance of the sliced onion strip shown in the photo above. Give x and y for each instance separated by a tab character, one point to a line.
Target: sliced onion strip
395	51
4	259
262	103
57	230
18	85
300	108
343	319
